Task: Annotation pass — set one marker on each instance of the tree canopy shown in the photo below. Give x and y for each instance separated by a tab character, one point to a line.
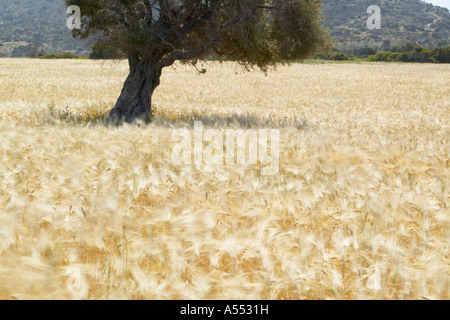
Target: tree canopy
156	33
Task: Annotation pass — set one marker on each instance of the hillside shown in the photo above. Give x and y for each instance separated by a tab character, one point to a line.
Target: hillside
24	22
401	21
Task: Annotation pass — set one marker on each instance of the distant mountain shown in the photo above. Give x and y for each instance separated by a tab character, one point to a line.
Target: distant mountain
401	21
43	22
25	22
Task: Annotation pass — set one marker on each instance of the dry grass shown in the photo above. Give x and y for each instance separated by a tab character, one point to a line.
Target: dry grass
359	209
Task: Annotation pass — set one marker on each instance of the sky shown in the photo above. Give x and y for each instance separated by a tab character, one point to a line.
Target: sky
440	3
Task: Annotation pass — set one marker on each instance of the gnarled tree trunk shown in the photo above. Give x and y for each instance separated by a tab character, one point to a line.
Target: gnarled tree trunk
135	102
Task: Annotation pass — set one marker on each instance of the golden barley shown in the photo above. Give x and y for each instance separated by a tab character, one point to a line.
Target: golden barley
359	208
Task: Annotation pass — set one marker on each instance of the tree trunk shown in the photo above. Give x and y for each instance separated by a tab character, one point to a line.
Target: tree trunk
134	102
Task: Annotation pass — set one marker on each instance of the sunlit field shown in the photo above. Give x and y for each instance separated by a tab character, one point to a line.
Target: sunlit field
358	210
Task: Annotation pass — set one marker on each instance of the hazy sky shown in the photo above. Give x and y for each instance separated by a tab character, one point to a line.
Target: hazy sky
440	3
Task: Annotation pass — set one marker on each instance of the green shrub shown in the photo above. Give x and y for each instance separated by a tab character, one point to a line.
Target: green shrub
102	51
441	55
333	55
379	57
417	54
393	56
365	52
339	56
321	56
67	55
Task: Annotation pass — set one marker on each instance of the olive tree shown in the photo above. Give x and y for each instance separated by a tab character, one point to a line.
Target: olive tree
153	34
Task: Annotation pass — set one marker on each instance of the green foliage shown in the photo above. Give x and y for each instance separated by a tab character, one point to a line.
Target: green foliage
406	47
104	51
418	54
44	21
334	55
441	55
251	32
365	52
66	55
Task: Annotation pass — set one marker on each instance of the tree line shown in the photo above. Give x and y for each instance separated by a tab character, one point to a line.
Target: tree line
418	54
409	52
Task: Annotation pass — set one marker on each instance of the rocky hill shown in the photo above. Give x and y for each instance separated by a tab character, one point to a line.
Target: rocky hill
43	23
25	22
402	21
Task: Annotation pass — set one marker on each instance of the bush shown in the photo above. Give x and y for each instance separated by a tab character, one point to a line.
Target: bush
339	56
441	55
404	48
67	55
379	57
365	52
417	54
332	55
393	56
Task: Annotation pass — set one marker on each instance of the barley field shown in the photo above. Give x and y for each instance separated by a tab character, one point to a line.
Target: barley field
358	210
